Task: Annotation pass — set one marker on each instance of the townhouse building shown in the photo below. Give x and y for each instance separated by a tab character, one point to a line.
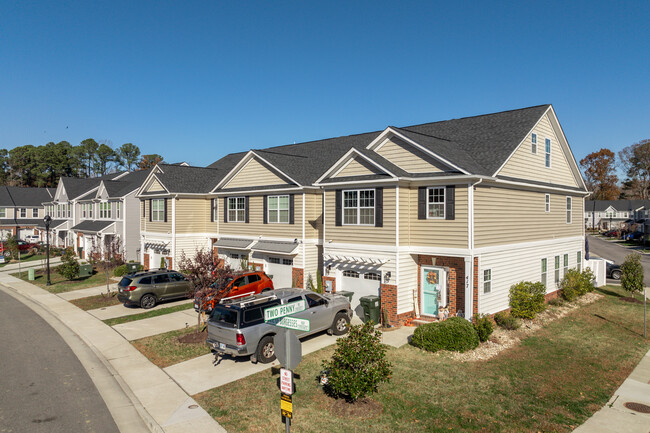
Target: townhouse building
21	210
613	214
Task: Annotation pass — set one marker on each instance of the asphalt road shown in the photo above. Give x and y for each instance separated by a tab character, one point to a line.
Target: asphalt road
43	386
612	251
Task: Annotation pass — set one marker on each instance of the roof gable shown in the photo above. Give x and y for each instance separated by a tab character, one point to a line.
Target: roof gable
254	171
408	157
356	166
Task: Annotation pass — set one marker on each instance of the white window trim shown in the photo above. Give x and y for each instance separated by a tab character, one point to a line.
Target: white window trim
547	203
544	273
550	159
565	263
487	281
444	203
243	220
3	212
579	260
21	210
569	209
557	275
215	210
268	209
118	213
35	211
159	214
533	143
358	207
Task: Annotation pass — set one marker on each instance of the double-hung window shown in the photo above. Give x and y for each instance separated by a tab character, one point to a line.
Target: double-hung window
566	263
533	144
117	209
35	212
568	210
104	210
23	212
547	146
435	203
90	210
236	209
158	209
557	270
359	207
547	202
487	280
69	210
544	269
84	214
278	209
579	260
3	212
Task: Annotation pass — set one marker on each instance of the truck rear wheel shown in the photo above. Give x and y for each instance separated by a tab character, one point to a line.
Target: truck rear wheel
266	350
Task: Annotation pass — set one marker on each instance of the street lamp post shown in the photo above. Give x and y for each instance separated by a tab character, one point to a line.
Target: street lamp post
47	221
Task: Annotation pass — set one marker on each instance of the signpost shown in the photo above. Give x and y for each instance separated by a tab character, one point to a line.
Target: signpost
294	323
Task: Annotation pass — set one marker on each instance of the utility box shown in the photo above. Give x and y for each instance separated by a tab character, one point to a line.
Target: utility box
30	274
132	268
85	271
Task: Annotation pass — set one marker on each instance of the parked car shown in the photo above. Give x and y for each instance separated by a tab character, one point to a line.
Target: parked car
614	271
612	233
148	288
22	247
240	285
635	236
237	327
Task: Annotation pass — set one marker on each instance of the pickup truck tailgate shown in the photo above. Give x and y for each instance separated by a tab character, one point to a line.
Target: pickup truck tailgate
222	326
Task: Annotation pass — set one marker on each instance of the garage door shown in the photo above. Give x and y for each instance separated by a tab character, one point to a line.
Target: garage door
281	270
233	258
361	283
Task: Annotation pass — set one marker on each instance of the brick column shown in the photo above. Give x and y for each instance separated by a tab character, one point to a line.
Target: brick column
297	277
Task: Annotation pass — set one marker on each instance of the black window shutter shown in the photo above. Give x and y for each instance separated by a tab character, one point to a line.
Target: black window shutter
150	208
291	207
246	208
265	200
422	203
165	210
450	202
379	207
212	202
225	209
337	207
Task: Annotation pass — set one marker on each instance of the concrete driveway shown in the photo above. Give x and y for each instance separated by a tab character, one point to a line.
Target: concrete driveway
616	252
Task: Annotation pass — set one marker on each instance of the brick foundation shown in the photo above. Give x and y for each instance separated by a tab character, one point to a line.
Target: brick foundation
297	277
333	280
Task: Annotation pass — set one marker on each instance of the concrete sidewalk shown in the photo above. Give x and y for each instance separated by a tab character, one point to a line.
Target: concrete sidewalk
84	293
13	266
615	417
120	310
162	404
157	325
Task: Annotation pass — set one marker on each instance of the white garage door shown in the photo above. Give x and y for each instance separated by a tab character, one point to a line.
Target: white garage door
362	283
233	258
281	270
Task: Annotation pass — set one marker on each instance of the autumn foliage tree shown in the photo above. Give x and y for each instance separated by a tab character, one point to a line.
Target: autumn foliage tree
635	160
599	168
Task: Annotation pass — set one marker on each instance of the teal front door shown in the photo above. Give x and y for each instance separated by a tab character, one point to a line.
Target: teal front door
432	287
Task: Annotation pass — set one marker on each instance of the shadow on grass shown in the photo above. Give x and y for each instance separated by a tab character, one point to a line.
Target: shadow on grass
620	325
608	292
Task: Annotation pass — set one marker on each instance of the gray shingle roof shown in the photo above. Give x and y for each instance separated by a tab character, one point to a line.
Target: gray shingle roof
241	244
189	179
619	205
92	226
24	197
126	184
478	145
76	187
278	247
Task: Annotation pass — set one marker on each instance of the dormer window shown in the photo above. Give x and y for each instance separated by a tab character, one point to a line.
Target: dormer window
533	144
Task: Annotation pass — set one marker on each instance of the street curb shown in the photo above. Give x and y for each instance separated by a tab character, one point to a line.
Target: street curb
55	322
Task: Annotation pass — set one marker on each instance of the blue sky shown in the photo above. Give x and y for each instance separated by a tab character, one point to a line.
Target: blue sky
194	81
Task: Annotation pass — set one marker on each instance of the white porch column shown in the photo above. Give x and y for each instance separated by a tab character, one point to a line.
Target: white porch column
469	292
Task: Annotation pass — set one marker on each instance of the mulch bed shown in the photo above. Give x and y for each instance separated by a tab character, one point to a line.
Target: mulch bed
630	299
194	338
364	408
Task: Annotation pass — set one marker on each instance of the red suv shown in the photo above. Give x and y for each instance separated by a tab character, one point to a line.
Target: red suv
244	284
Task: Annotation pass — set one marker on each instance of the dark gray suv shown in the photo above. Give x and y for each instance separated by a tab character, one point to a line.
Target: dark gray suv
148	288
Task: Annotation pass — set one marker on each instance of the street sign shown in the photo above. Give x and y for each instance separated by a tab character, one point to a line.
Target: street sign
283	310
288	349
286	407
293	323
286	381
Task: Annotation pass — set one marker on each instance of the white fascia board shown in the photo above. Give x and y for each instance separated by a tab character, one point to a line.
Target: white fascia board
147	182
576	169
359	182
384	135
342	162
253	191
242	163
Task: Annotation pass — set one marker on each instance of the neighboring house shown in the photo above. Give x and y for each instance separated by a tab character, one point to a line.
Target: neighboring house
63	209
110	211
176	213
21	210
612	214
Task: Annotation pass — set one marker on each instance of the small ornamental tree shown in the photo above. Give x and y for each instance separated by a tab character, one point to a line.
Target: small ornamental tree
358	365
11	247
632	277
106	256
69	267
209	279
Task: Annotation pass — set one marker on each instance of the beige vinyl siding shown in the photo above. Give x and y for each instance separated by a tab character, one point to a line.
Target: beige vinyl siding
359	234
408	157
506	216
525	165
312	254
189	245
157	226
254	174
9	213
155	186
432	232
192	215
314	216
408	282
256	226
357	167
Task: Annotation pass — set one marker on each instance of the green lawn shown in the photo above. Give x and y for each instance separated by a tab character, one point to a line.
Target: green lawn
552	380
148	314
28	257
97	301
59	284
165	349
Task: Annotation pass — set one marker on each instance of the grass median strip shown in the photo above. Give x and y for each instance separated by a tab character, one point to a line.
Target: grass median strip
148	314
60	284
94	302
166	349
553	380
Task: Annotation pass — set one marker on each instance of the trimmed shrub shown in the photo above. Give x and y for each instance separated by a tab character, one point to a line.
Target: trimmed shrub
576	284
454	334
120	271
69	267
632	273
358	365
483	325
527	299
506	321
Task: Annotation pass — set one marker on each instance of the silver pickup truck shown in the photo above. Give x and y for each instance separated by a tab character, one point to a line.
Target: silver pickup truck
237	327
